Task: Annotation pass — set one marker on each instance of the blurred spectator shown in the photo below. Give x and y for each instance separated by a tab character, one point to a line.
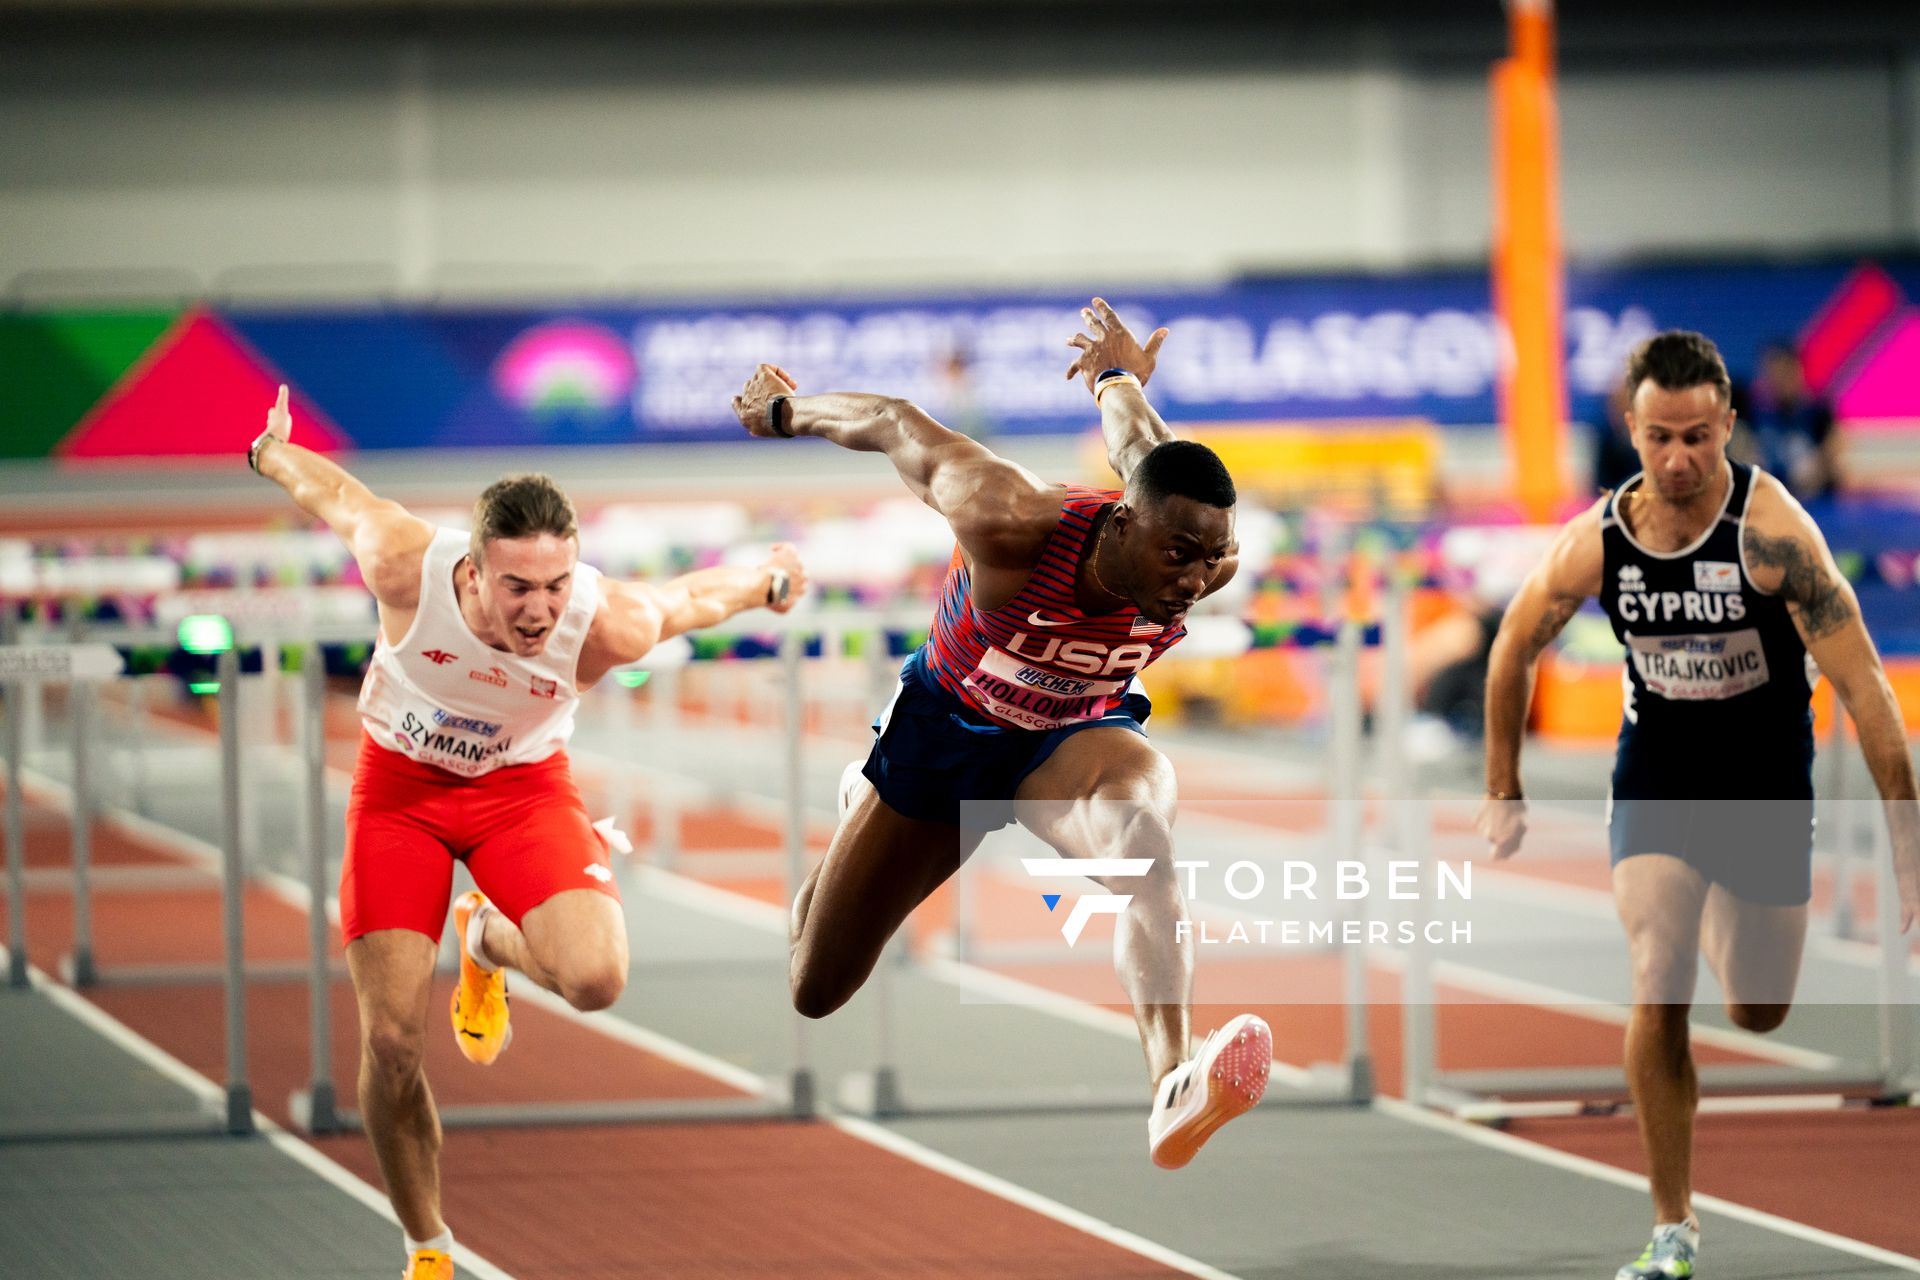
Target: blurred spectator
964	412
1614	459
1788	430
1447	665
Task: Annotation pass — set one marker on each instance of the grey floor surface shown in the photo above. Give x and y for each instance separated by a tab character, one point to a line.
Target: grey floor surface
161	1208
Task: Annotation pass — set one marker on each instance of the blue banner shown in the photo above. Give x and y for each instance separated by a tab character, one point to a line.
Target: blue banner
1418	345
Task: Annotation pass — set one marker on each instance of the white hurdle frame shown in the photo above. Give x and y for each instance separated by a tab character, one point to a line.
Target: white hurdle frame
1499	1095
881	1093
24	669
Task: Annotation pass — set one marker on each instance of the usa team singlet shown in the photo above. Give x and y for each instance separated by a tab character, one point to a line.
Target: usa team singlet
1038	662
993	693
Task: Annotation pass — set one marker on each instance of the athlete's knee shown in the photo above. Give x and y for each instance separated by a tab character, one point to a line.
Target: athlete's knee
1757	1017
1663	974
394	1051
593	986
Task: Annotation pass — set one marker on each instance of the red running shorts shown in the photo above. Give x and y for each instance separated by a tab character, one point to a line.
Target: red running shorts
521	829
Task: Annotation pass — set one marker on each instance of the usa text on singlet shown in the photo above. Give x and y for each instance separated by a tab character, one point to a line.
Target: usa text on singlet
1038	662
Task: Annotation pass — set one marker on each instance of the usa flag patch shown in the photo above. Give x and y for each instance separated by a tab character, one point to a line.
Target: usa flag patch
1141	627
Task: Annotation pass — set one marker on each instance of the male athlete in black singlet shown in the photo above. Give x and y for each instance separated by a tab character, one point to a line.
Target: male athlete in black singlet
1058	596
1725	595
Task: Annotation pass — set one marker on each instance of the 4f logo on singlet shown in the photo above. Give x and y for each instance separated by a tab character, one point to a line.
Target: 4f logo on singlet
438	657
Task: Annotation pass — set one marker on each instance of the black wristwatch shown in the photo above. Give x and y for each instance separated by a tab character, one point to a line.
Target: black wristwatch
773	417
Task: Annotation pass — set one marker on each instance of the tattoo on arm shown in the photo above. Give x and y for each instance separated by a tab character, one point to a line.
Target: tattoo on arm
1551	623
1804	581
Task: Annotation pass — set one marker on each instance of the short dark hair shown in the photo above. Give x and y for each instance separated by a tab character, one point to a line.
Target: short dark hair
1676	360
523	506
1183	469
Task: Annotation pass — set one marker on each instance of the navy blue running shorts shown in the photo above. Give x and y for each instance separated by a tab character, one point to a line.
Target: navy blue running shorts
1760	851
932	752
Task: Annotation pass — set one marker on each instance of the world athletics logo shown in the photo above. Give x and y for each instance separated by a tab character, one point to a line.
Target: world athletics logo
566	366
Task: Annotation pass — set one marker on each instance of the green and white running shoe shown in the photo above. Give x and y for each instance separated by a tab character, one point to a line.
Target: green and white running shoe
1669	1256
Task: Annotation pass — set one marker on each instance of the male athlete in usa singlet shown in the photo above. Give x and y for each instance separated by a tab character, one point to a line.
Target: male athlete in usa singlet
993	693
1058	597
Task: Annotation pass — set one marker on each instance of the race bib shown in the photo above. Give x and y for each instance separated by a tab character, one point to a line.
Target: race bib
1035	698
458	744
1700	668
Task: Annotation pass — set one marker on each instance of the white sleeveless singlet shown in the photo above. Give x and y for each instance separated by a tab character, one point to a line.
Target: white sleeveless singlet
444	697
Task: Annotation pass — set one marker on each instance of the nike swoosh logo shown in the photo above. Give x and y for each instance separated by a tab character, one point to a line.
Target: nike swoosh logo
1035	620
477	1035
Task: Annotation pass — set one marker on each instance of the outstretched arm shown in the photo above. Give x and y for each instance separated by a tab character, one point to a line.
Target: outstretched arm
988	500
1787	553
1127	421
636	616
383	536
1550	596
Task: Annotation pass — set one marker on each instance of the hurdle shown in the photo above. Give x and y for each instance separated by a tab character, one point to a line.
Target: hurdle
83	667
315	1107
1801	1081
883	1093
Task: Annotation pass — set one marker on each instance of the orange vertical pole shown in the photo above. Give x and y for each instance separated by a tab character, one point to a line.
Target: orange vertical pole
1528	290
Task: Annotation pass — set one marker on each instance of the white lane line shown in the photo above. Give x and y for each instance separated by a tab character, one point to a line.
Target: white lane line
1016	991
1540	1154
960	1171
214	1096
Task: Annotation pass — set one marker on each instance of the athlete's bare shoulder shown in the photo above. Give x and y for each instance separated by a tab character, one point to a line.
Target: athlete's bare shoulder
1577	559
1773	511
390	545
1006	524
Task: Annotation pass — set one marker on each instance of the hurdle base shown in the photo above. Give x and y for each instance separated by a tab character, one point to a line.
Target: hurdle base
1500	1097
878	1095
77	969
239	1109
778	1104
193	975
110	1127
315	1110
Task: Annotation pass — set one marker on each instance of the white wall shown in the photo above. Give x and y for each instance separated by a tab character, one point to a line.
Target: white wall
489	164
